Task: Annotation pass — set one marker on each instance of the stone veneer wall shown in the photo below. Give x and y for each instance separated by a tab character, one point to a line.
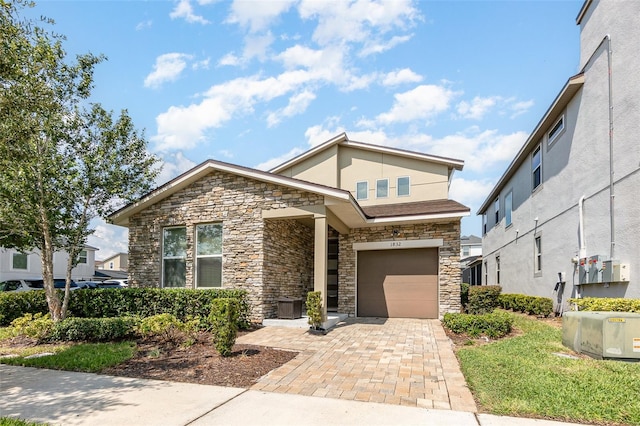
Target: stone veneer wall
449	265
288	262
232	200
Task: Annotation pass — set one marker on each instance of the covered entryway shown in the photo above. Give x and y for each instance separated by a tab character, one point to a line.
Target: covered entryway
398	283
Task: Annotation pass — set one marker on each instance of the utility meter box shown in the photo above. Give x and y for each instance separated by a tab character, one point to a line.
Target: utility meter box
615	272
583	270
603	335
594	272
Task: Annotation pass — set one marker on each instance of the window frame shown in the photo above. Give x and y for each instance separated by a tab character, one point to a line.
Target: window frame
466	250
386	180
408	194
366	190
17	253
484	223
537	255
163	257
498	269
81	256
198	256
556	130
508	208
485	272
496	208
535	169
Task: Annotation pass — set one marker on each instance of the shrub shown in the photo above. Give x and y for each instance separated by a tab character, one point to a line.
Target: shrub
314	309
493	325
483	299
224	319
94	329
464	296
532	305
166	326
37	326
142	302
605	304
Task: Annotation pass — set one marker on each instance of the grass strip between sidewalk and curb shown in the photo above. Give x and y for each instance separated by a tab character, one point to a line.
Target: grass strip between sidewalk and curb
521	376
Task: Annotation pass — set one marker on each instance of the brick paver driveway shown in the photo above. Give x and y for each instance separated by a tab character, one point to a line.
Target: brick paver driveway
394	361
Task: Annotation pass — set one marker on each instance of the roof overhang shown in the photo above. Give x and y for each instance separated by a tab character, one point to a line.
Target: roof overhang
573	85
583	11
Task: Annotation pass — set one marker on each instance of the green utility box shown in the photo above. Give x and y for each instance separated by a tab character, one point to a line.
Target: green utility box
603	335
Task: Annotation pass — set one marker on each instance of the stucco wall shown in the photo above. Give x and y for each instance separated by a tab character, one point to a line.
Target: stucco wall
234	201
449	263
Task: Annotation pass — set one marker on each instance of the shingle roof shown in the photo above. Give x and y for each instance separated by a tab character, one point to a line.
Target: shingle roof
431	207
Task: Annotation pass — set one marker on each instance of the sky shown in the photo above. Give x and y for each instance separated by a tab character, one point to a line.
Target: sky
255	83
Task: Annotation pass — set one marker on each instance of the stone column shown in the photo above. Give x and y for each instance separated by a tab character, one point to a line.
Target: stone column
320	255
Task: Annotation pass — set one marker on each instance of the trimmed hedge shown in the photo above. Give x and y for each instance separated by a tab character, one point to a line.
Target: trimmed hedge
142	302
493	325
93	329
483	299
532	305
606	304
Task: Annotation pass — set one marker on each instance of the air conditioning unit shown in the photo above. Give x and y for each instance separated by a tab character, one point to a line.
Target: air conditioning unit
603	335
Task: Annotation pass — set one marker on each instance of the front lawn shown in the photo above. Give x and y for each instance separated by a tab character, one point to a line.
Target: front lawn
521	376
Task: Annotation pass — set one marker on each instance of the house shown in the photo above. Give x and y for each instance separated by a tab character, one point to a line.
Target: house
471	259
16	265
470	246
117	262
563	219
371	227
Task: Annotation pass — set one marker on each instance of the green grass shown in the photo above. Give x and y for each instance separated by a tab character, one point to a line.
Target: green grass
8	421
520	376
87	357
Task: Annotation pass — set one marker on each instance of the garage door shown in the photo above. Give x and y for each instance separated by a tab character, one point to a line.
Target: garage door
398	283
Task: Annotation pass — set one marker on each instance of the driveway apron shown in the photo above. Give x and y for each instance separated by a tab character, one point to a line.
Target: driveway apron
393	361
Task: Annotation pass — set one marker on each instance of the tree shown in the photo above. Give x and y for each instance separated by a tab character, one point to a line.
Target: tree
63	161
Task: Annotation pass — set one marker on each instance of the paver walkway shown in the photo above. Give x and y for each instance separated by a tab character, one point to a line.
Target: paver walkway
394	361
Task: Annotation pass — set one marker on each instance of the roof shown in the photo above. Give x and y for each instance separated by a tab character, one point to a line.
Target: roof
583	11
573	85
113	257
431	207
471	239
343	140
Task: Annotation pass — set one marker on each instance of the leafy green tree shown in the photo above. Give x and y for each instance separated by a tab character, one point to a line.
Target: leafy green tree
63	161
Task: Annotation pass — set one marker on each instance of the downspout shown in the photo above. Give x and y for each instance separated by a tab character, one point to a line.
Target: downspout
612	223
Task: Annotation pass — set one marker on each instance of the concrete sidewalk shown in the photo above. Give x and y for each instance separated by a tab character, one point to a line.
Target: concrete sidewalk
69	398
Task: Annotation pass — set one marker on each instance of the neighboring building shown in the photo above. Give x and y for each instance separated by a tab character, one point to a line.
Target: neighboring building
15	265
471	259
117	262
370	227
569	203
470	246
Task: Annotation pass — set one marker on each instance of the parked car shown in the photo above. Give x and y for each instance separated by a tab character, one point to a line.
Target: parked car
19	285
113	282
90	285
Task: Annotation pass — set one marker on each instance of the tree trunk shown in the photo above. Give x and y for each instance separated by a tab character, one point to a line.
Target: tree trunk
53	301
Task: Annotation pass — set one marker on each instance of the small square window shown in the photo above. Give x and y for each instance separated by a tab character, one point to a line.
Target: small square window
556	130
402	188
382	188
19	261
362	190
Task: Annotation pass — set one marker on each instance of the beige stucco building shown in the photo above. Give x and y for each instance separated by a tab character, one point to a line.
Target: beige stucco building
371	227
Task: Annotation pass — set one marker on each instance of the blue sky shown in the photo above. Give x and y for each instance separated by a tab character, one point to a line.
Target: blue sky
255	82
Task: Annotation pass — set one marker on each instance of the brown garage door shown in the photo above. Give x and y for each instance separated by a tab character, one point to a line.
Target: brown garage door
398	283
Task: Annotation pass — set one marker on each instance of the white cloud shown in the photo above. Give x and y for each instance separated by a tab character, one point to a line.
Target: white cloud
478	107
168	67
173	165
230	59
109	239
270	164
402	76
184	10
363	20
257	15
379	46
144	24
470	192
201	65
226	153
520	108
421	103
297	105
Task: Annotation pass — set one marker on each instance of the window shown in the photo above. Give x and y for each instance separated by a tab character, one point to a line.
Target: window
174	253
402	187
536	168
538	254
486	274
19	261
82	257
362	190
496	207
556	130
498	270
465	250
382	188
209	255
508	206
110	265
484	223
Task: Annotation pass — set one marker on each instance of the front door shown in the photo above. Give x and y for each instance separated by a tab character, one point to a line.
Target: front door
332	275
